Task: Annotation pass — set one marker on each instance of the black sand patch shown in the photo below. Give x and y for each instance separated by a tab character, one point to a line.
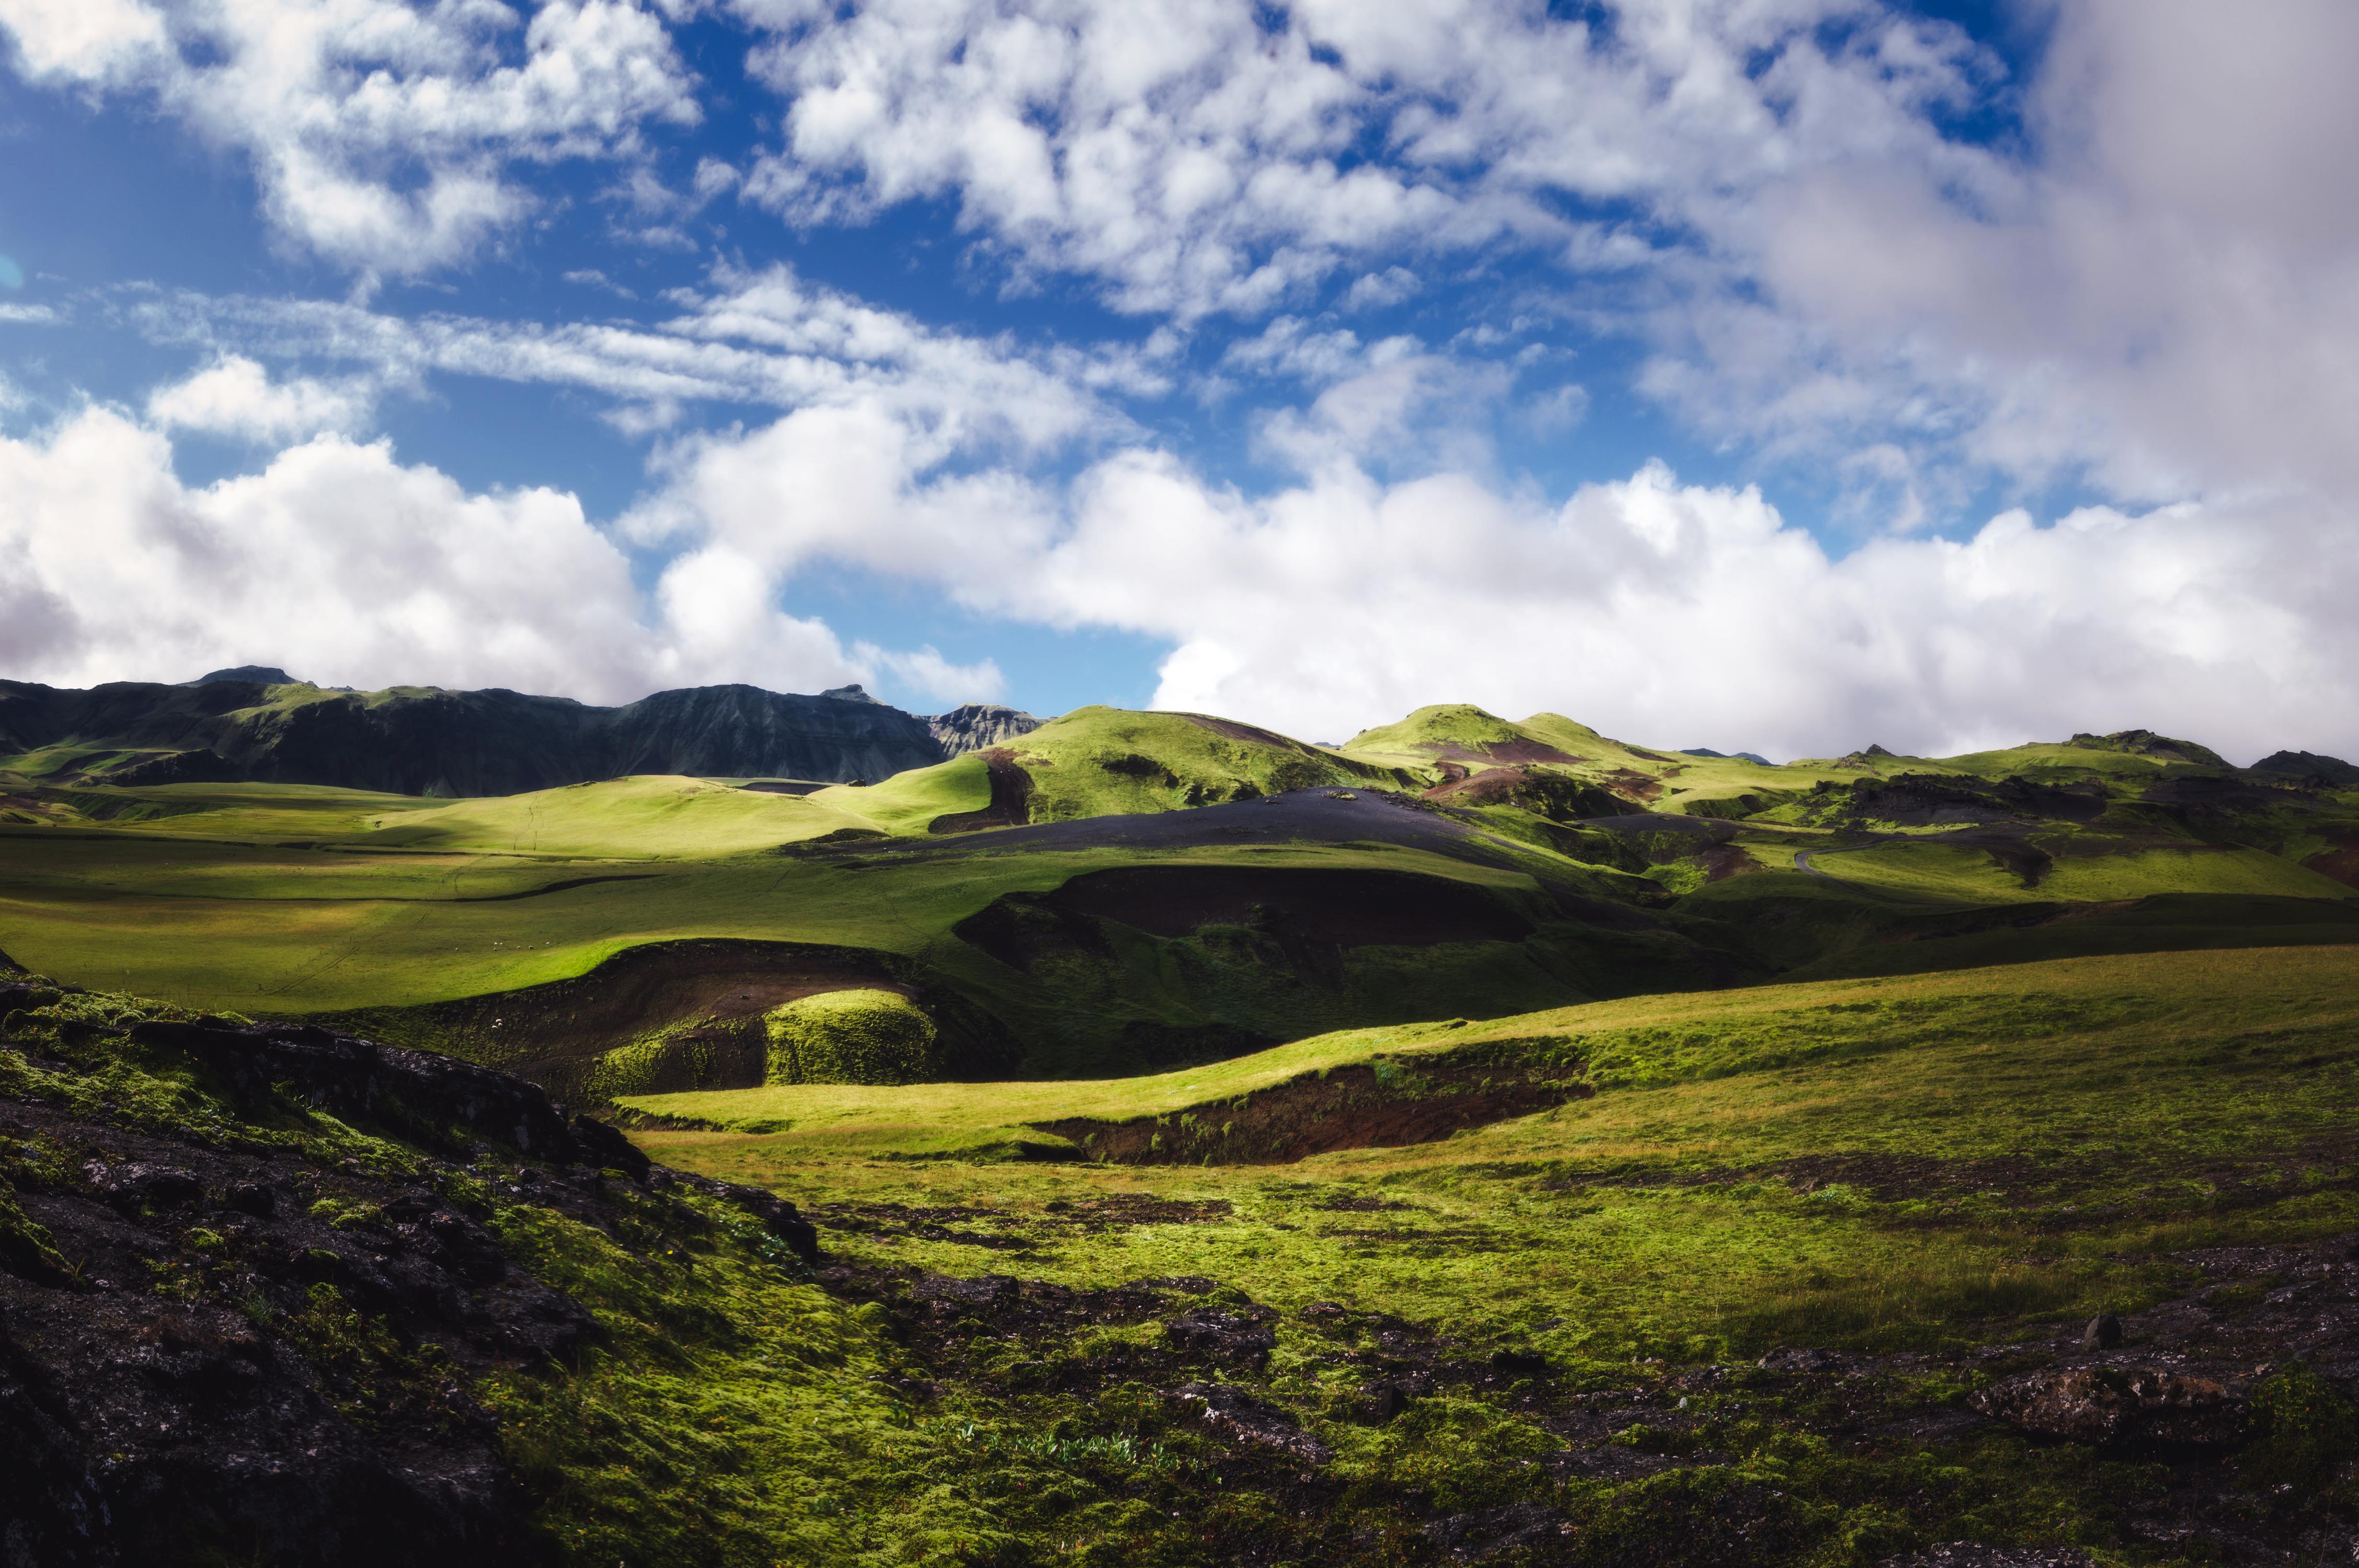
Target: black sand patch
1386	1106
1011	799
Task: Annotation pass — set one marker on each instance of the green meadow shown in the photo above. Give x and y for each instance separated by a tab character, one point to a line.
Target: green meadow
1656	1217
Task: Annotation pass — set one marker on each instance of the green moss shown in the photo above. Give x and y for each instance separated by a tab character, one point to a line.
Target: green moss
850	1037
2306	1429
25	1246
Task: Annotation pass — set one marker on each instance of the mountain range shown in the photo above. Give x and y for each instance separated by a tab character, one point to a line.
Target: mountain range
259	724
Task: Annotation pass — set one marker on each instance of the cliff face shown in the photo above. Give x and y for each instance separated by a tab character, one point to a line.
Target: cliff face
977	726
424	741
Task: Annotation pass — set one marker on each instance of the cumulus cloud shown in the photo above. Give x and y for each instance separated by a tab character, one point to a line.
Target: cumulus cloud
380	131
1669	614
927	671
1202	157
236	397
348	566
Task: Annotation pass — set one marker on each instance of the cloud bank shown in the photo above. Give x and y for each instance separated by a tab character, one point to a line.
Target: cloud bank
1669	614
2134	286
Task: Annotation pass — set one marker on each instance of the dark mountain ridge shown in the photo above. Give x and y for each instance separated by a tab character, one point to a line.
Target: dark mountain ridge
426	740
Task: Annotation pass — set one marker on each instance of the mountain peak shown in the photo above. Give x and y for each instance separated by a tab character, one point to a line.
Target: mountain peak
855	692
2147	743
260	674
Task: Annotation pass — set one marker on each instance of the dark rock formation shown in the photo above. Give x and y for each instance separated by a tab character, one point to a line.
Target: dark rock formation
2147	743
978	726
424	741
184	1374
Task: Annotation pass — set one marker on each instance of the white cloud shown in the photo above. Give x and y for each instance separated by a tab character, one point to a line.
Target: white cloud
236	397
766	338
1206	156
1674	614
349	568
925	670
379	132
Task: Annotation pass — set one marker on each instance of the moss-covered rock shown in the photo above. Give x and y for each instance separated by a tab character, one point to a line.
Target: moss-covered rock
850	1037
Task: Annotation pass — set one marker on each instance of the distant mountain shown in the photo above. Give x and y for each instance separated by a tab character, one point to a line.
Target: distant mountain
2147	743
265	674
2308	765
1753	757
256	724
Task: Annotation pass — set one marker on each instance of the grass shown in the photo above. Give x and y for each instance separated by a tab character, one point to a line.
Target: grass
658	817
289	899
910	802
1097	761
2075	1112
1959	875
1932	1163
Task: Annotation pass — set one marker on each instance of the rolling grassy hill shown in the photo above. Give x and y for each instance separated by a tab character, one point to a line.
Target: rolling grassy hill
1119	891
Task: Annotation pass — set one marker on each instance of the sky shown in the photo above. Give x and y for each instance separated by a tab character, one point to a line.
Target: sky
1777	376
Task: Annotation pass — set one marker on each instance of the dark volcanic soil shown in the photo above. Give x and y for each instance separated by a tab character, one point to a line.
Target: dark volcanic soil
2167	1394
1349	908
1011	799
1387	1106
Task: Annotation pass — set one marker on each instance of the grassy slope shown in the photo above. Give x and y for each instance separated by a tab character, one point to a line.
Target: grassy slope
1649	1219
644	817
1067	759
314	929
1969	876
909	802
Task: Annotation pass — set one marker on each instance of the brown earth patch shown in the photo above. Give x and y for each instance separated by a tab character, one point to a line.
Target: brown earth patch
1634	784
1722	861
2341	863
1388	1106
1230	730
1011	799
1510	752
1553	795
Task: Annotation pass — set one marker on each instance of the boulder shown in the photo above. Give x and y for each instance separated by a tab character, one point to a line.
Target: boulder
1495	1532
1242	1336
2101	1405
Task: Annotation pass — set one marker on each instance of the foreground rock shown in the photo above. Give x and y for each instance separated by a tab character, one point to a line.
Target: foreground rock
2101	1405
232	1331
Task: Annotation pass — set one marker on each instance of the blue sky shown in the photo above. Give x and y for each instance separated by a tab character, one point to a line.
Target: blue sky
1780	375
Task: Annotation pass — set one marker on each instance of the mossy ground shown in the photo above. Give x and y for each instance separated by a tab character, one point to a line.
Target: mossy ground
1936	1170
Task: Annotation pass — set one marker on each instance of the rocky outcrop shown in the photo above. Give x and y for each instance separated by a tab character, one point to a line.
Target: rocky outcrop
232	1330
2103	1405
978	726
2147	743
